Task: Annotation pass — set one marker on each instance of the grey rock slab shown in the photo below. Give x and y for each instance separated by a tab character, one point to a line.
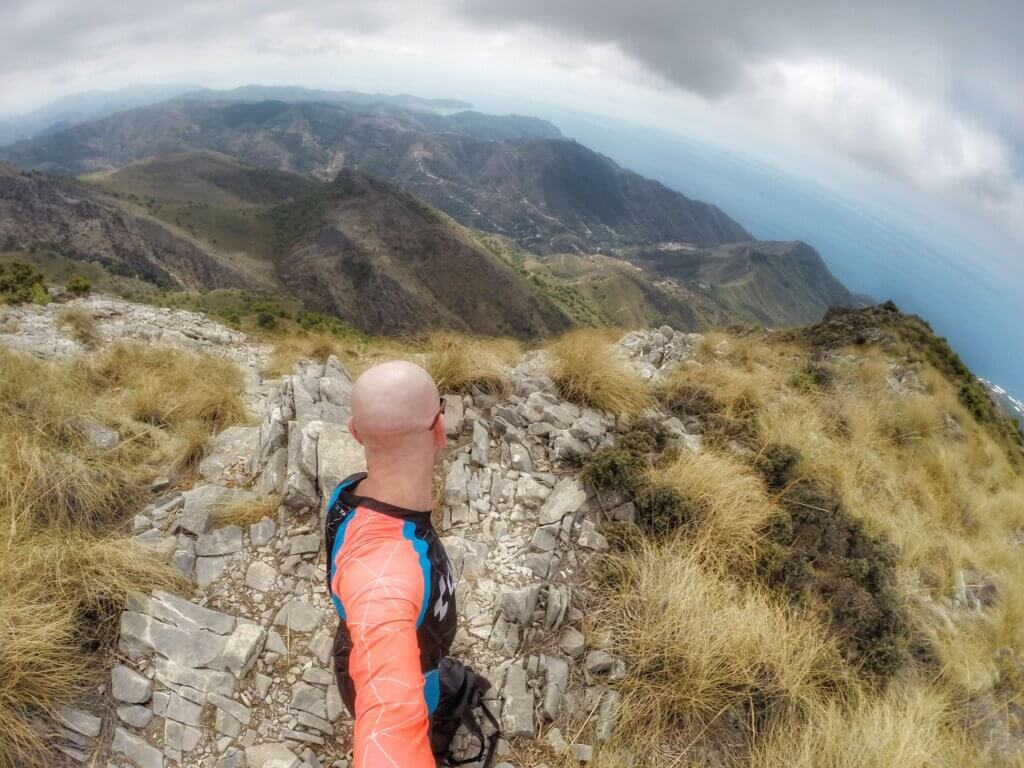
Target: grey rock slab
300	478
209	570
453	416
190	648
317	676
572	643
129	686
182	710
223	541
198	506
520	458
260	576
243	648
239	711
480	444
135	715
566	498
599	662
589	538
180	737
136	749
338	456
298	616
607	715
225	724
274	474
174	675
262	532
235	445
307	698
556	679
457	483
530	493
517	713
315	723
544	538
79	721
335	705
233	758
184	557
185	614
304	544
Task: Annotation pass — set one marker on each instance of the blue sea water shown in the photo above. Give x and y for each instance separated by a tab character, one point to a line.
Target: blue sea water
970	293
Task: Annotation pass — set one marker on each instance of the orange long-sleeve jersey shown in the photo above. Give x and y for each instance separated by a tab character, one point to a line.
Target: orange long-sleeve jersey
390	581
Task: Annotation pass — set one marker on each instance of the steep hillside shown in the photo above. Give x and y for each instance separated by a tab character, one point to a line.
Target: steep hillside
766	283
510	175
41	212
384	261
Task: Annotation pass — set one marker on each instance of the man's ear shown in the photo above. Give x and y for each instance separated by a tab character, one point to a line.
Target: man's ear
440	433
352	430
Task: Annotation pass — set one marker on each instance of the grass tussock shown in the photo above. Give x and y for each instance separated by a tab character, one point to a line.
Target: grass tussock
244	512
907	728
587	372
65	565
702	650
468	366
80	325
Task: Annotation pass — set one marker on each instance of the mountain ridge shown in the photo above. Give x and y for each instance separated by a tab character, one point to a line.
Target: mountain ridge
509	175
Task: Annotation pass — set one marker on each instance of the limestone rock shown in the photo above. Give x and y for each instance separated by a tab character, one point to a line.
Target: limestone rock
129	686
566	498
271	756
136	749
298	616
235	445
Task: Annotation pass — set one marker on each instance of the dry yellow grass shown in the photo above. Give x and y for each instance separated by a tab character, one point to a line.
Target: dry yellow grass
65	566
701	648
247	512
466	365
912	727
588	372
920	473
80	324
729	501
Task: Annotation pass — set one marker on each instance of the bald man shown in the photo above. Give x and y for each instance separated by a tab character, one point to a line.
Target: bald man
388	574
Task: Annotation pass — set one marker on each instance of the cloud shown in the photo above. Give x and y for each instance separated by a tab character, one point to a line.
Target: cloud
930	92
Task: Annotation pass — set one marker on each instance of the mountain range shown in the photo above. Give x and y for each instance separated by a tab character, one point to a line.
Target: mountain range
395	213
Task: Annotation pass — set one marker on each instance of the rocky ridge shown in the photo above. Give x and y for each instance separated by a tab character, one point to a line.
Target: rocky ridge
238	673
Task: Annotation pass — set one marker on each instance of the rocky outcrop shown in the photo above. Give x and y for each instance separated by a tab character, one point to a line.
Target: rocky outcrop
239	671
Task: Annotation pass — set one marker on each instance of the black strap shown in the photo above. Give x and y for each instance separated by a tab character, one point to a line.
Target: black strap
473	726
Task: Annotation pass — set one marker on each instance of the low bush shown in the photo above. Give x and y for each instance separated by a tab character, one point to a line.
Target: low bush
21	283
78	286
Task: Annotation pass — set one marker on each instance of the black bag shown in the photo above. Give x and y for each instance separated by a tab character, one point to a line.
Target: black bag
460	702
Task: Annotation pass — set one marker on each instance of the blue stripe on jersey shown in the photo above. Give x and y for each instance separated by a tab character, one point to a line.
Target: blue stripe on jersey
339	539
418	544
432	690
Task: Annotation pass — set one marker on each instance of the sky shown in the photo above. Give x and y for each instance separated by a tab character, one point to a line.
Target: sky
915	106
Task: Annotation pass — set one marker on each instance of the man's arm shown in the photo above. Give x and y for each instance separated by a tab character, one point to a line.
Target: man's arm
382	588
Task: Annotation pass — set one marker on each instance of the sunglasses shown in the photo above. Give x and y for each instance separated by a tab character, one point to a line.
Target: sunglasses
438	416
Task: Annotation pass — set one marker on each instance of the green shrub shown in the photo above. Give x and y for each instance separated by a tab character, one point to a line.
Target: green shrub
20	283
266	320
78	285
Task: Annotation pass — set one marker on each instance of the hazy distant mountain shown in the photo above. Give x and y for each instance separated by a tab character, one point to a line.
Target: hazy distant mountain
510	174
768	283
296	94
82	107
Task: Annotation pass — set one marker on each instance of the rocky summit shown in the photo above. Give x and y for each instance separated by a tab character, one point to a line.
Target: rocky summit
238	671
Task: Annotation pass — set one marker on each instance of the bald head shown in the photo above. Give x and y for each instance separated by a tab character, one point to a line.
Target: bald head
394	403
